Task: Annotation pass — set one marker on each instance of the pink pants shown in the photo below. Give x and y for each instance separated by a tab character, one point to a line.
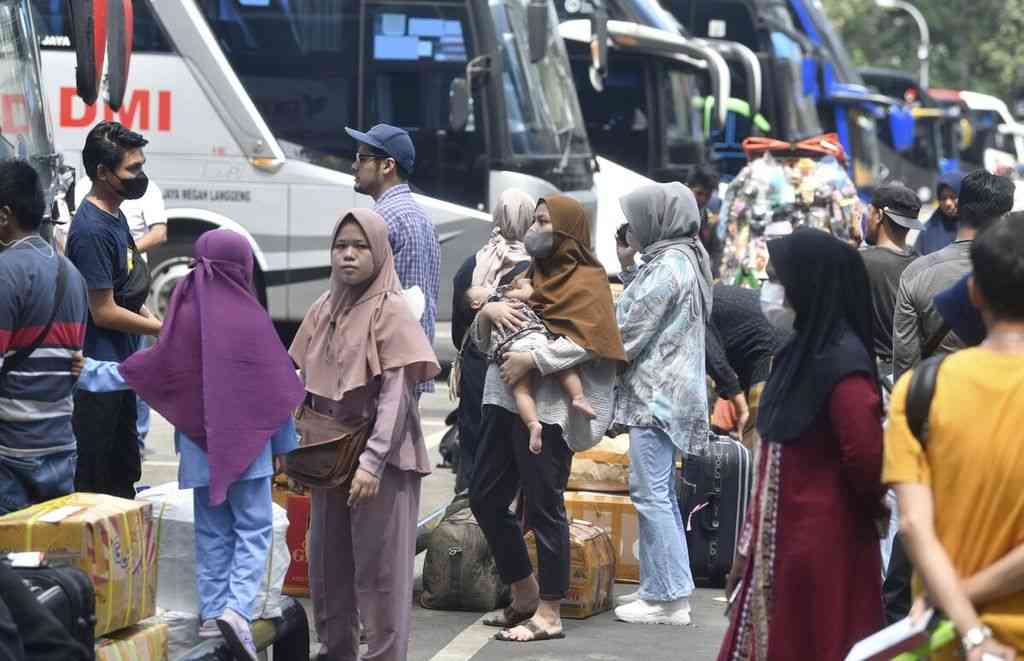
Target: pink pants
361	563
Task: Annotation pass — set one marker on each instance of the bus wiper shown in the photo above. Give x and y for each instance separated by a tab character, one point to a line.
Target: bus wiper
564	163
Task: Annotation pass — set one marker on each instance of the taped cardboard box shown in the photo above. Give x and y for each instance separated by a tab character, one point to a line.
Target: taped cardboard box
616	514
296	580
113	540
591	570
604	467
139	643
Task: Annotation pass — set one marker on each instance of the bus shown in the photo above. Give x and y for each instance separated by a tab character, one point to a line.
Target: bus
245	102
25	129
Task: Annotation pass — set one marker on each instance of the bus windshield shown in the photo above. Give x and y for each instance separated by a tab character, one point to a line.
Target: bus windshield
23	127
544	116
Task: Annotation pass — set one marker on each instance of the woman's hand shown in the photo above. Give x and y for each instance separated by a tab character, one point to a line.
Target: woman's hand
364	487
77	364
992	650
739	402
517	364
627	256
739	568
505	316
279	463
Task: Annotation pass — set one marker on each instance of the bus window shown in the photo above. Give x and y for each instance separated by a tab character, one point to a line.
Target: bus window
683	145
51	20
296	60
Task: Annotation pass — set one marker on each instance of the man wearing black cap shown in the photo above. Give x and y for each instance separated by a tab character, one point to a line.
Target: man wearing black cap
891	215
384	160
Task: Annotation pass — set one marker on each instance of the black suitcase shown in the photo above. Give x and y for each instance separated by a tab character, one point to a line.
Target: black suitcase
68	593
713	497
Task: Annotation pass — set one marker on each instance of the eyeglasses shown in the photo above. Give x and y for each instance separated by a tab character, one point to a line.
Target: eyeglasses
363	158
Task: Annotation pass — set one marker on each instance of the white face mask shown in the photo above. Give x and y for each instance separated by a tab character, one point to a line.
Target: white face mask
775	308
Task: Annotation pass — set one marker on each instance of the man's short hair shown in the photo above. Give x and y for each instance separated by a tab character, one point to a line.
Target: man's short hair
106	145
21	190
983	198
403	174
997	255
705	177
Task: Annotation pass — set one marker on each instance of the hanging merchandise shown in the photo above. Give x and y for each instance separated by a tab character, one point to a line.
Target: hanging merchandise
785	186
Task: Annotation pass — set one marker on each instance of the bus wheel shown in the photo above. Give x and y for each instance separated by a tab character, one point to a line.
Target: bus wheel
168	265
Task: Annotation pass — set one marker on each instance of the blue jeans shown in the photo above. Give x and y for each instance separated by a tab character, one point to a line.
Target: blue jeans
664	560
142	408
30	481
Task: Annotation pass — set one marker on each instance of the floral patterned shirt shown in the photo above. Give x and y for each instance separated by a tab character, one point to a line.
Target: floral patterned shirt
663	331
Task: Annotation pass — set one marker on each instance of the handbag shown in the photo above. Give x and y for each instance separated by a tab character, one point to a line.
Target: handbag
328	452
131	293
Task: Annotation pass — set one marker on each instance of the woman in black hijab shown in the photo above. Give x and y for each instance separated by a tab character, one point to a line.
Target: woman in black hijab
808	563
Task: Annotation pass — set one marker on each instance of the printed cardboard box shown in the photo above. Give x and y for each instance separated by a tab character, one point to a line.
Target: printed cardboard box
591	570
139	643
296	581
111	539
616	514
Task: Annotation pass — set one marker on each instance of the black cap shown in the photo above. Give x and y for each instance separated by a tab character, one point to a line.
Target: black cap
900	204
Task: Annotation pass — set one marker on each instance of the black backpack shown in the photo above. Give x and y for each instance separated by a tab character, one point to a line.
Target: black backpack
919	396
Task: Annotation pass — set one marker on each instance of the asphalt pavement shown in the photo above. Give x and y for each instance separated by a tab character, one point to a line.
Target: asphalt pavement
455	636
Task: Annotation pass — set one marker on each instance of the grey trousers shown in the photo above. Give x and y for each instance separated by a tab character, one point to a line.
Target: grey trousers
361	563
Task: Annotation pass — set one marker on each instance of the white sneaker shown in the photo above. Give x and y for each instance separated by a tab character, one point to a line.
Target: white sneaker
209	630
238	635
675	613
627	598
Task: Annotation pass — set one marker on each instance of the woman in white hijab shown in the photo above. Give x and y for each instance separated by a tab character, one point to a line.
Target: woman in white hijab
500	260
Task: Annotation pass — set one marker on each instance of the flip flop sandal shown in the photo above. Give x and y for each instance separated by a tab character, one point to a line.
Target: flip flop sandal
510	618
538	634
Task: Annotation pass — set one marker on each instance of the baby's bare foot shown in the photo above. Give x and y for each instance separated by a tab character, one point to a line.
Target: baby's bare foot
536	445
582	404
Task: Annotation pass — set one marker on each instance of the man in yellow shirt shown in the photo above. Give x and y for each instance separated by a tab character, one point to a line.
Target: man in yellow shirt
961	486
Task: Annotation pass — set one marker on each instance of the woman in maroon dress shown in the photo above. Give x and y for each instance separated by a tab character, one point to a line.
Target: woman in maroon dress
808	565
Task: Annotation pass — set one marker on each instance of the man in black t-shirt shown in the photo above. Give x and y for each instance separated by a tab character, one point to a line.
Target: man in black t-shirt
100	245
893	212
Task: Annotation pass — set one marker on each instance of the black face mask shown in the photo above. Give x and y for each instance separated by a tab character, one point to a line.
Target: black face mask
134	188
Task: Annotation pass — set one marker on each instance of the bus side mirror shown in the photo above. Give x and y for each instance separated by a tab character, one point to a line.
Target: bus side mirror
458	104
537	25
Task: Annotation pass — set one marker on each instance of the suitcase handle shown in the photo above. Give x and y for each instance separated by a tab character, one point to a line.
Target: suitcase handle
706	522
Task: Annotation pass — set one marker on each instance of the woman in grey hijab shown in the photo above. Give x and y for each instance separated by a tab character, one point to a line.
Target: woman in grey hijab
661	396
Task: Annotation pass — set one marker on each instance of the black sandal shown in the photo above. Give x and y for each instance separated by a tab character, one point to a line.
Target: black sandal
538	634
510	618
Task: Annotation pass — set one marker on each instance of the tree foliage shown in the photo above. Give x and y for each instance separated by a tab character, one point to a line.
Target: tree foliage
976	44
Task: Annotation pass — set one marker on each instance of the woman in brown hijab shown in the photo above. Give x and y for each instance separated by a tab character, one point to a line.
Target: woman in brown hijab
361	353
572	296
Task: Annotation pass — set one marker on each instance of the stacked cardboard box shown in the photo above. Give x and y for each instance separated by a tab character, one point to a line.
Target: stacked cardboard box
591	570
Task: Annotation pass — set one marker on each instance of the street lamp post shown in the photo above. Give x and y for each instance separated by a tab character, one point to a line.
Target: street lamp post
925	42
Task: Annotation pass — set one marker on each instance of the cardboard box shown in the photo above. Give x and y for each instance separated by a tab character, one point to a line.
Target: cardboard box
139	643
591	570
113	540
604	467
296	581
616	514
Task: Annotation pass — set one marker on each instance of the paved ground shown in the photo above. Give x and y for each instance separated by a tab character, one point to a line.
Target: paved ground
448	636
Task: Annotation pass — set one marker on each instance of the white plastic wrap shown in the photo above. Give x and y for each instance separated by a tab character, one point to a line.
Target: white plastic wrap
182	634
176	559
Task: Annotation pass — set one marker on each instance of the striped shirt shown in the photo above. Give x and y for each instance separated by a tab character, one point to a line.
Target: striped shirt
36	398
417	251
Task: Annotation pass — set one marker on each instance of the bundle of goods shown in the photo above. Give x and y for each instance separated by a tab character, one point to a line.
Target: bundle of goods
295	500
173	508
591	570
112	540
616	514
604	467
144	642
799	184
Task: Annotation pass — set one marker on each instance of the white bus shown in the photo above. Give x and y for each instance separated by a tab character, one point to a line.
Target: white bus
244	103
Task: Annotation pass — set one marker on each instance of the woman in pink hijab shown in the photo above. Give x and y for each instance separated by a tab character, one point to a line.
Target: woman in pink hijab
362	352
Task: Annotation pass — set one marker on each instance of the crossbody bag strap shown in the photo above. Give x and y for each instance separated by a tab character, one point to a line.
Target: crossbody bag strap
920	392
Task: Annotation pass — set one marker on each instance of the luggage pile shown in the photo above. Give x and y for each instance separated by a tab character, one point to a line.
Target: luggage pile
801	184
102	584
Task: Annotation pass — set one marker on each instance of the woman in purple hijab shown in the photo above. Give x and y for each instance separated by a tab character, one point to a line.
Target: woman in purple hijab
221	376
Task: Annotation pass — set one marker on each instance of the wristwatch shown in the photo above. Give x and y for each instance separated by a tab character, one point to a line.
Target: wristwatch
975	636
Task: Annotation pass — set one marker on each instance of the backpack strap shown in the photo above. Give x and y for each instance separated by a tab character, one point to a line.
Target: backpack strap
21	355
935	341
919	396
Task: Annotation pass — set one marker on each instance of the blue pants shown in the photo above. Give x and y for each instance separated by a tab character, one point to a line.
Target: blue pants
232	543
664	560
30	481
142	408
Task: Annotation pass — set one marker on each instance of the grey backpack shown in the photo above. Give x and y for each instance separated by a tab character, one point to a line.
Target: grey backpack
459	573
